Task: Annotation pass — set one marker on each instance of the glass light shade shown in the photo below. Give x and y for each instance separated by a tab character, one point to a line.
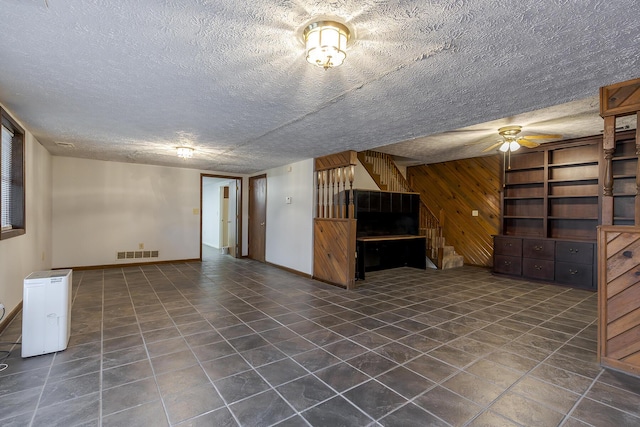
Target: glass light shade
325	43
504	147
514	146
185	152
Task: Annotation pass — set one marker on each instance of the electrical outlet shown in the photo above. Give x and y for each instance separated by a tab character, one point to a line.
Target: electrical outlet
140	246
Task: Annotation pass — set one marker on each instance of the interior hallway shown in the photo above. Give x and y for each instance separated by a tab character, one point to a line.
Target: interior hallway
233	342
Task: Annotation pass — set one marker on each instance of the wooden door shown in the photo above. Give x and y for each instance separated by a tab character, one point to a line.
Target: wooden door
232	220
257	217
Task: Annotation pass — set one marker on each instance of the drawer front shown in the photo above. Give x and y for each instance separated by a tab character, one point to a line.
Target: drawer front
578	275
507	246
539	249
576	252
507	265
541	269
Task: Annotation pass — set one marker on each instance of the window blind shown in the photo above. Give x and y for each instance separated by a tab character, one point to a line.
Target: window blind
6	171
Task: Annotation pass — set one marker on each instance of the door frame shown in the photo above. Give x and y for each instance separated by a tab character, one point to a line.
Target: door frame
239	180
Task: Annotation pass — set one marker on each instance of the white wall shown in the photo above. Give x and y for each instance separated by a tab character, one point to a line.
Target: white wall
19	256
100	208
289	231
362	180
211	211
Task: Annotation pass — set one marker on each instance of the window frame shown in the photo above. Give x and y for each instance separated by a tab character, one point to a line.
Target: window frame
18	179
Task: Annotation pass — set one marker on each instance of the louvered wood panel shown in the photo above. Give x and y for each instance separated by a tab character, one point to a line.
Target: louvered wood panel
334	251
619	297
620	98
459	187
337	160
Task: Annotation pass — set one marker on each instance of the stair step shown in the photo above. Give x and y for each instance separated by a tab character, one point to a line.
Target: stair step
448	250
452	261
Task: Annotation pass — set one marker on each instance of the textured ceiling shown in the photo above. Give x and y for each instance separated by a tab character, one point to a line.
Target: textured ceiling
130	81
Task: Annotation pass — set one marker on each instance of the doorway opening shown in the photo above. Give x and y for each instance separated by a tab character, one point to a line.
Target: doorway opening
220	215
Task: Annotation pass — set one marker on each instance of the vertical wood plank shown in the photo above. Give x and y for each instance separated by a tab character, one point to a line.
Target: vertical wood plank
609	146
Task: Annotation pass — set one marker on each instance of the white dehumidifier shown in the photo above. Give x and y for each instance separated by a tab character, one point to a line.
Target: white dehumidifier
46	312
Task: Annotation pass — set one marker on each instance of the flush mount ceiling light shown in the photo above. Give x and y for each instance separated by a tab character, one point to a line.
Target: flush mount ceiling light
185	152
325	43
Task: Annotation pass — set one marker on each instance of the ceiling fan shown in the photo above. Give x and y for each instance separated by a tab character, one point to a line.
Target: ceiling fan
512	142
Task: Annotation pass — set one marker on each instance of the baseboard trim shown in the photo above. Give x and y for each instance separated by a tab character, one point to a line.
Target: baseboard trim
133	264
290	270
9	317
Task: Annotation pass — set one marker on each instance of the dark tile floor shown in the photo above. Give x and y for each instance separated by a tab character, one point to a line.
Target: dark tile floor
233	342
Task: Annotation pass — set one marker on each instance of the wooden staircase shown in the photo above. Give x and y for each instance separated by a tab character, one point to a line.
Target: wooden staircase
388	177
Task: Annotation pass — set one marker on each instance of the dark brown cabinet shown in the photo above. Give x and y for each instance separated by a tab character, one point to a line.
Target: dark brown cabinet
551	260
552	203
387	230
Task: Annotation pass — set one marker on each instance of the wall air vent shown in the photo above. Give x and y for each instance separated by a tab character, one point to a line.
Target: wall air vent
63	144
136	254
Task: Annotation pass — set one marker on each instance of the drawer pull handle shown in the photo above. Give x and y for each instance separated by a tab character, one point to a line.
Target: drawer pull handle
573	272
627	254
537	267
537	248
573	251
507	263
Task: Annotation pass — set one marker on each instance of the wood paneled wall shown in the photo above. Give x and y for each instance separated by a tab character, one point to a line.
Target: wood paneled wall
459	187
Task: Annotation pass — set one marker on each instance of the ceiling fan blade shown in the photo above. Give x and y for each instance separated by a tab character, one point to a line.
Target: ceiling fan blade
526	143
493	147
543	136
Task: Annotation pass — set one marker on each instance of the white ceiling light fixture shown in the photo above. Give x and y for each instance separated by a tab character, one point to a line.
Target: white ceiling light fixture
509	146
325	43
185	152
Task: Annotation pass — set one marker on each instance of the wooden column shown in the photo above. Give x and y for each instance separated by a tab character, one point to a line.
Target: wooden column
334	252
618	100
637	204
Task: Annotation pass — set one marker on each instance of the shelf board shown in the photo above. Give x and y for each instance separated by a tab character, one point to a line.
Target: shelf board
569	181
537	183
525	198
624	176
573	196
624	194
573	218
522	217
526	168
619	158
569	164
